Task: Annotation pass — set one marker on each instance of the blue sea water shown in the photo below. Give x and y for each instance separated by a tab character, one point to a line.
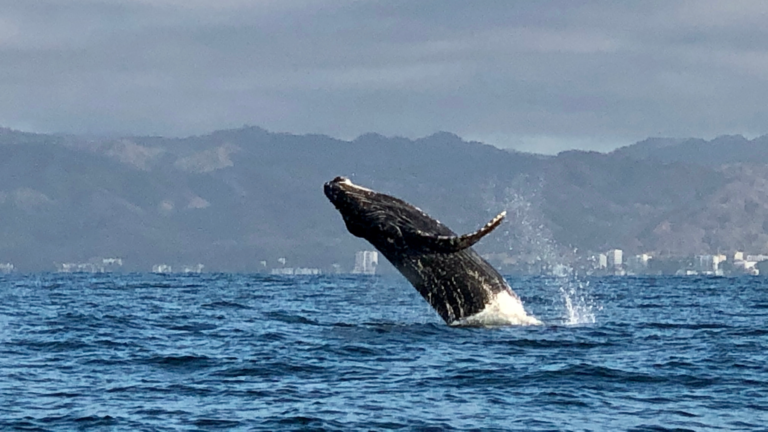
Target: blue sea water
249	352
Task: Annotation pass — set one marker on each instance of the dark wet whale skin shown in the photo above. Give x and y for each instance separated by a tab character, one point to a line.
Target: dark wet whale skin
456	283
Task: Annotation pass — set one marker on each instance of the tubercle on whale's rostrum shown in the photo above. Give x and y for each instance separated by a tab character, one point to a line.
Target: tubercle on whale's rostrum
441	265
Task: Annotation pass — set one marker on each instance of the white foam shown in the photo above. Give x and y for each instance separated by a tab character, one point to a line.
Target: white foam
504	309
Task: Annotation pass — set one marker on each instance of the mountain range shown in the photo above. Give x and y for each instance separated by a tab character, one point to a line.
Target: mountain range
241	199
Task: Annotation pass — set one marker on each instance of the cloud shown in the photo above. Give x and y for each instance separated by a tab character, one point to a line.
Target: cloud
536	75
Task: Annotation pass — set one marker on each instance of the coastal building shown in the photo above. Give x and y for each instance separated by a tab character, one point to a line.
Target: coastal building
366	262
722	257
298	271
757	258
602	261
746	267
95	265
167	269
196	268
707	264
638	264
162	268
78	268
614	258
282	271
306	271
112	262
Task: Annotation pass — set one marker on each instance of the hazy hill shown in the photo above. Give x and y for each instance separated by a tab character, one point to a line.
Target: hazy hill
229	199
600	201
726	149
233	198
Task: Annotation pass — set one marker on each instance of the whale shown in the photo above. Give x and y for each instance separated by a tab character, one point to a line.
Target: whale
461	286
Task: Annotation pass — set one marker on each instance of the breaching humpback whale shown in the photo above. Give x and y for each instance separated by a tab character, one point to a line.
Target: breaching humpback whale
459	284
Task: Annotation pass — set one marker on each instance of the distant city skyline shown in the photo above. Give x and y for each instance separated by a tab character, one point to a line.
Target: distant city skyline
539	77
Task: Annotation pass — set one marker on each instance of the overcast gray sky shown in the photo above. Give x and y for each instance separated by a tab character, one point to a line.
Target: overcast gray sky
535	76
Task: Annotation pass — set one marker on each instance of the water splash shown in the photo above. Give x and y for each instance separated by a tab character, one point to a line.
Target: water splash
579	306
505	309
528	237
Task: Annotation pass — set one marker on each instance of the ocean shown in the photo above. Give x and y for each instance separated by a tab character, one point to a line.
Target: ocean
144	352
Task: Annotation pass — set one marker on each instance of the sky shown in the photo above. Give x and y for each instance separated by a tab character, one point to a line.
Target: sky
533	76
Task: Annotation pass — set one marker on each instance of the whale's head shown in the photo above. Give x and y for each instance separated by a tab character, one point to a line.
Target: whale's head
385	221
393	226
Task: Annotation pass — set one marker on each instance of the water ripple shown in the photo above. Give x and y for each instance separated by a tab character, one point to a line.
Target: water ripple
254	352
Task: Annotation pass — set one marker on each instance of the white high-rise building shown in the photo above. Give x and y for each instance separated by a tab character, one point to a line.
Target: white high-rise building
366	262
602	261
614	258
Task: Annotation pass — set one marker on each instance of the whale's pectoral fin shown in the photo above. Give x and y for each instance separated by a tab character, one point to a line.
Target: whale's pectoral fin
449	244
